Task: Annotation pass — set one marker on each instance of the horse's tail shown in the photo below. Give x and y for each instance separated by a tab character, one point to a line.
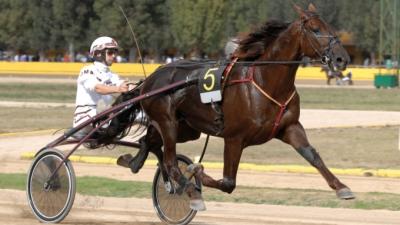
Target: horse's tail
133	114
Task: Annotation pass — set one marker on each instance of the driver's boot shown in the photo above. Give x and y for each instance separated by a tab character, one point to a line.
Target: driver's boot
137	162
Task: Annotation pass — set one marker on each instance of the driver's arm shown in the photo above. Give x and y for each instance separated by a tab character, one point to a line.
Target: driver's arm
105	89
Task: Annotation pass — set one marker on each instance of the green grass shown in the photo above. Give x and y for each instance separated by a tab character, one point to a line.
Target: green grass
300	197
368	147
12	181
14	119
113	188
18	119
96	186
38	92
342	148
354	99
312	98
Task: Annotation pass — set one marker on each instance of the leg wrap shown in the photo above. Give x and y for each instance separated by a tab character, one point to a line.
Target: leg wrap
310	155
227	185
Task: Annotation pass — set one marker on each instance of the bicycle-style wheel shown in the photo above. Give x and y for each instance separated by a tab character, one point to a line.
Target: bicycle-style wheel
51	197
172	206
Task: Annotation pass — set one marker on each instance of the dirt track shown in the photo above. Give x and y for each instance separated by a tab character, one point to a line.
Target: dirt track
115	211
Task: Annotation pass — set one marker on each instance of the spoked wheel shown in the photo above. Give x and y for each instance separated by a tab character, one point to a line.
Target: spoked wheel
172	204
51	198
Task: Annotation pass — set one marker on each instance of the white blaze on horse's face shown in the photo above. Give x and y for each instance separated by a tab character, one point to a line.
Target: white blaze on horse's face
319	40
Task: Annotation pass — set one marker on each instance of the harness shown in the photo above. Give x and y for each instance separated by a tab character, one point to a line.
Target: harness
250	79
325	56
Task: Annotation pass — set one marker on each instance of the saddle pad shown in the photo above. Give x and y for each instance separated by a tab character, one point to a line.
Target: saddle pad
210	84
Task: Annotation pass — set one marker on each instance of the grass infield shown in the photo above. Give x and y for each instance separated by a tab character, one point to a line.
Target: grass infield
17	119
312	98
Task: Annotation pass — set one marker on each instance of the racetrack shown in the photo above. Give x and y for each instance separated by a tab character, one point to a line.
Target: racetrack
113	211
95	210
120	211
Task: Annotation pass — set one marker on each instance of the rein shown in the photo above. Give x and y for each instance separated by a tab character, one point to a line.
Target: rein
251	63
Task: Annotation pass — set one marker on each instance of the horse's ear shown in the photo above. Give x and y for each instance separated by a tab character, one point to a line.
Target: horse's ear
312	8
300	11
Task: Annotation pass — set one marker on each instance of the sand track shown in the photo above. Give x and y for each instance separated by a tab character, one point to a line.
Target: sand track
115	211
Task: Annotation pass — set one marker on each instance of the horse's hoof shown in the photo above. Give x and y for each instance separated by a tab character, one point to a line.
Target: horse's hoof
193	168
197	204
124	160
345	194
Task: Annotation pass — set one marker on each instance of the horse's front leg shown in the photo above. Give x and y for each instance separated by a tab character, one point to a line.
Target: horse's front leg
295	136
232	153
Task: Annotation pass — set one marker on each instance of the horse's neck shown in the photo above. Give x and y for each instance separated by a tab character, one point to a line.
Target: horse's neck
279	78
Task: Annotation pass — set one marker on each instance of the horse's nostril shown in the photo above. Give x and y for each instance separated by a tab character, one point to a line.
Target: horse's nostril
339	60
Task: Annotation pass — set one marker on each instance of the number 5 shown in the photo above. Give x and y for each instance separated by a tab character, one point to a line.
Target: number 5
210	75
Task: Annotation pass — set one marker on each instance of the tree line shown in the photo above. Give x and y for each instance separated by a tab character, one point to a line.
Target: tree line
189	28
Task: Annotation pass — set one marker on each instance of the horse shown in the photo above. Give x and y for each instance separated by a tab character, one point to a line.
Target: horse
260	102
337	75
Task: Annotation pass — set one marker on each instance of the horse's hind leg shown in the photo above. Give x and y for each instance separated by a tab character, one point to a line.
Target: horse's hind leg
296	137
151	142
232	153
168	129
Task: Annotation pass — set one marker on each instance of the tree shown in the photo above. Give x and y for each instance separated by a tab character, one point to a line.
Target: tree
39	35
197	25
151	22
71	23
244	15
283	10
329	11
364	26
148	19
14	24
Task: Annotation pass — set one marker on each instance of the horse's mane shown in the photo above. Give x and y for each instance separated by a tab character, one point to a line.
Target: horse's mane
254	44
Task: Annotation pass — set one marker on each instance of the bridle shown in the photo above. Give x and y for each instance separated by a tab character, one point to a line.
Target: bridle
326	55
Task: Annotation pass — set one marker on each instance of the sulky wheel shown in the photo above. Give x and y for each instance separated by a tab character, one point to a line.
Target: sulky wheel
50	197
172	204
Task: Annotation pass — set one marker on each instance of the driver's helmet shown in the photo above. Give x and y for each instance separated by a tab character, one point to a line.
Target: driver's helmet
102	43
231	47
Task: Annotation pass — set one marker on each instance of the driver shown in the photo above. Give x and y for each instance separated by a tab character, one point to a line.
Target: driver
96	83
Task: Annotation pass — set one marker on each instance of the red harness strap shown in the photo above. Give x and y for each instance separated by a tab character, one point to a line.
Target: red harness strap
282	106
227	71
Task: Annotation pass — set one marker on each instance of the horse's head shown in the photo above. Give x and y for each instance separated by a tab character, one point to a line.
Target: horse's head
318	39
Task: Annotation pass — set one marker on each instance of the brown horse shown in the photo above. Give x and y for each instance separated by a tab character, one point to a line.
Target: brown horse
260	101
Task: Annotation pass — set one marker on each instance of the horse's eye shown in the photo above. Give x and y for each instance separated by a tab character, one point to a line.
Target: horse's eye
316	31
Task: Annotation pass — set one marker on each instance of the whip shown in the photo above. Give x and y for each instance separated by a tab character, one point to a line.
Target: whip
134	38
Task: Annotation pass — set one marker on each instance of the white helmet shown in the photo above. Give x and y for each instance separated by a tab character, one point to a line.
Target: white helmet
102	43
231	47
